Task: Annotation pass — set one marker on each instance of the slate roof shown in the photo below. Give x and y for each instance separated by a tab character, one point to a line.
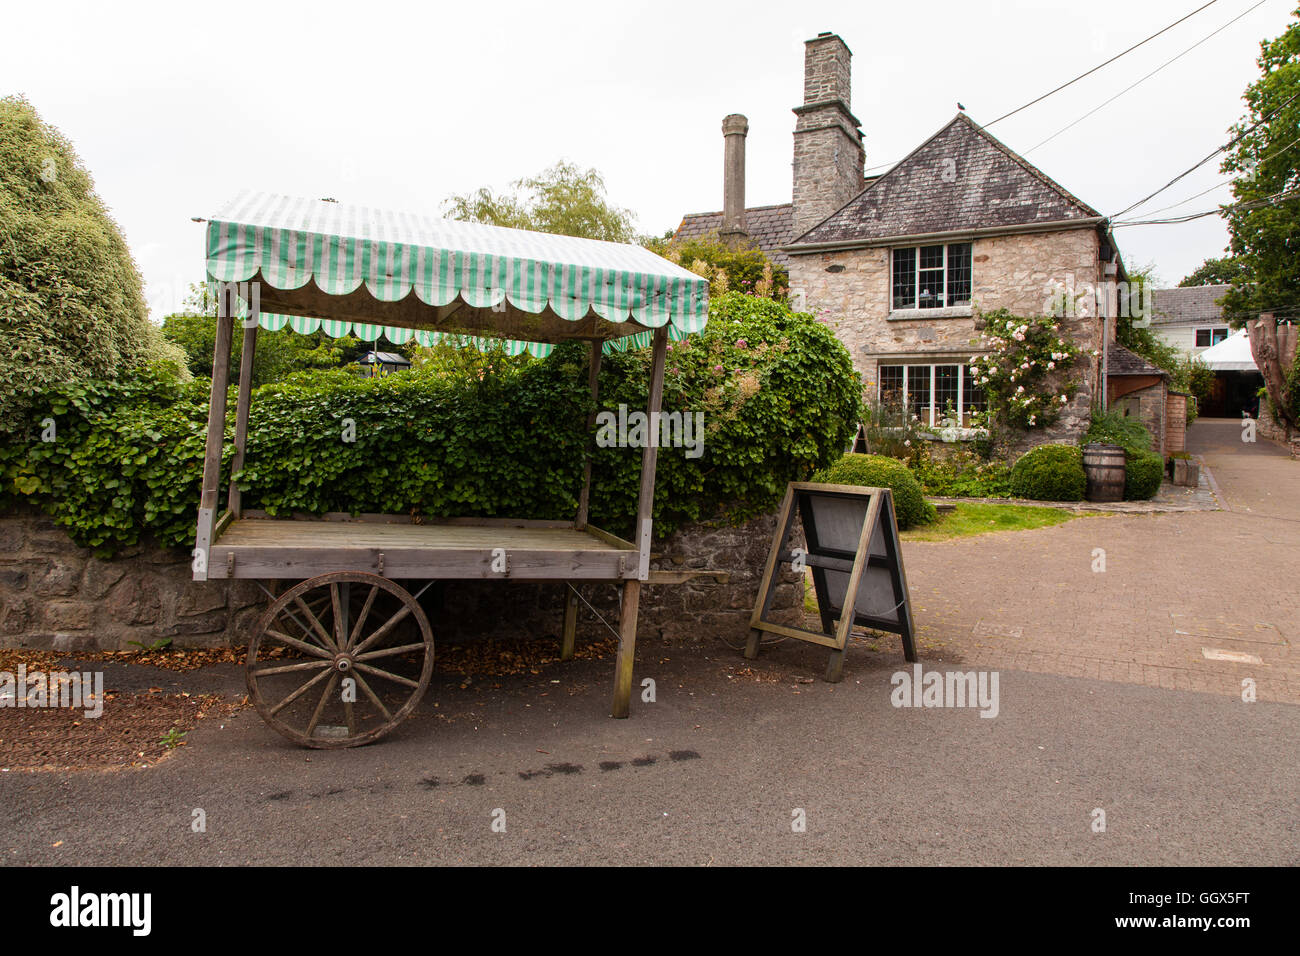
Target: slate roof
1121	361
769	226
1192	305
961	178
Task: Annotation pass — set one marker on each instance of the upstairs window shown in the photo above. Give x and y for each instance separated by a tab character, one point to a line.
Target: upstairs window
931	277
1207	337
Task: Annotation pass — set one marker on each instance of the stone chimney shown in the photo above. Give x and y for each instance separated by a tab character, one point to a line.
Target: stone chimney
734	130
828	151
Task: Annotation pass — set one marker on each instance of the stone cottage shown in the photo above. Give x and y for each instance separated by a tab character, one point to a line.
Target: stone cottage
900	264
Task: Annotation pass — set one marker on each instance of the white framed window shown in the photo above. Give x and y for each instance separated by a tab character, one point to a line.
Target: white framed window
927	391
1210	336
931	277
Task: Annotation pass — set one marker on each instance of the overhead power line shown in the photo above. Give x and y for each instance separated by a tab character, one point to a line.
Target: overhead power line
1145	78
1100	65
1077	78
1226	182
1272	200
1222	149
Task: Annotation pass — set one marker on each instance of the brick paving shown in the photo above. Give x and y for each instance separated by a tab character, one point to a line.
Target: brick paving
1176	586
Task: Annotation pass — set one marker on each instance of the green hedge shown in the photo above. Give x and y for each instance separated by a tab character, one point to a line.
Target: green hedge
1142	475
877	471
1049	473
777	389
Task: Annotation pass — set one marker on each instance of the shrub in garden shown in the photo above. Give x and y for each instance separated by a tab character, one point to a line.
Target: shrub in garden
71	300
1049	473
1112	428
877	471
1143	473
961	474
778	391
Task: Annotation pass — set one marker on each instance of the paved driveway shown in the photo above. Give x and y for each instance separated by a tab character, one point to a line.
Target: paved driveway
1182	597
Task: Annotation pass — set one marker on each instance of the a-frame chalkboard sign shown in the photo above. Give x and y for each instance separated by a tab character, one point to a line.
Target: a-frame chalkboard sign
851	538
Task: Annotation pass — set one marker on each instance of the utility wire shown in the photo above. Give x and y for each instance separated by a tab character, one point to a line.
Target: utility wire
1145	78
1226	182
1222	149
1272	200
1077	78
1100	65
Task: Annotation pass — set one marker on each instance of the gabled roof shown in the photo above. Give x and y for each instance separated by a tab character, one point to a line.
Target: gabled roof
960	179
1121	361
771	227
1197	303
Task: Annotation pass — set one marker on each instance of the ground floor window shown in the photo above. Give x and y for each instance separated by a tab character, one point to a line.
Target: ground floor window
928	391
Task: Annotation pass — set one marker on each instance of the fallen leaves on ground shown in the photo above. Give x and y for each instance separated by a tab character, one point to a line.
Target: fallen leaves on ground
132	731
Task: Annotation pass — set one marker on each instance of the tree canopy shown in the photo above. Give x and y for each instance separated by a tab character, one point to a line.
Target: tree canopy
1264	221
564	199
1224	271
277	355
71	299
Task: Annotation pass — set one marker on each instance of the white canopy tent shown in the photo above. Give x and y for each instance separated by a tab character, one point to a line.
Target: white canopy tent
1231	355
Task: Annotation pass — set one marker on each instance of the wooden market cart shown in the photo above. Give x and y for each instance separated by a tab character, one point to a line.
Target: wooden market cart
342	656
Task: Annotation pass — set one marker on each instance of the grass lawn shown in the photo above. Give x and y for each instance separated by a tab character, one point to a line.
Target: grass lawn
967	519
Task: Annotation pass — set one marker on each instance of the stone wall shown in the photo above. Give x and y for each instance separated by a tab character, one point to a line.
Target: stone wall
54	595
849	290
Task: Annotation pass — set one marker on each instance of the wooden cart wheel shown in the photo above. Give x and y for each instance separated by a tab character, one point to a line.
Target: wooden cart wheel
340	659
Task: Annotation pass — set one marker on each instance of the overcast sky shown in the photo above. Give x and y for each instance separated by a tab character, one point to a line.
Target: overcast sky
174	107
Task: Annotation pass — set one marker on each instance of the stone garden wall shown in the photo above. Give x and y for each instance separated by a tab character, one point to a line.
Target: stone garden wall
54	595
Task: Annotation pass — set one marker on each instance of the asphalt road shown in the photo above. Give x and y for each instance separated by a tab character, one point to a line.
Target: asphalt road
711	773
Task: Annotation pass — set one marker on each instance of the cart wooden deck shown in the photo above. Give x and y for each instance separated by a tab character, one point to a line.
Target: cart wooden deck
254	546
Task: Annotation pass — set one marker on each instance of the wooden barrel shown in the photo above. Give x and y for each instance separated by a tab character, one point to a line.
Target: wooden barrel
1104	466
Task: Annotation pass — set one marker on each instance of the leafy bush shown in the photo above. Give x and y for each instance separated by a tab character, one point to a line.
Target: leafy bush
741	270
877	471
1112	428
778	391
962	474
1049	473
71	299
1143	473
114	459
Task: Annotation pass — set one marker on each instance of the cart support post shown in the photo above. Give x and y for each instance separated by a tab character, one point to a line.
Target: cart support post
593	382
644	511
650	456
626	648
247	350
209	498
570	624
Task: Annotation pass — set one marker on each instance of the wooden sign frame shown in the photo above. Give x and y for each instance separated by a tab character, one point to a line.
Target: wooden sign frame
878	550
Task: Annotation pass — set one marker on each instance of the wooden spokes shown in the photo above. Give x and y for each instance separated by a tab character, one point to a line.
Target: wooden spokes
339	660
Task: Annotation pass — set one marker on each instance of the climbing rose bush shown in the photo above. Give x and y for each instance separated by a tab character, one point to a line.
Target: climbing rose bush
1026	373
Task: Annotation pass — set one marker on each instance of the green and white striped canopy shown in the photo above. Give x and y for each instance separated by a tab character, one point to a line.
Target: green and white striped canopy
371	273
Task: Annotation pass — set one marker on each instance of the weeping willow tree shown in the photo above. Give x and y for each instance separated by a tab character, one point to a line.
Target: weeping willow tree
71	298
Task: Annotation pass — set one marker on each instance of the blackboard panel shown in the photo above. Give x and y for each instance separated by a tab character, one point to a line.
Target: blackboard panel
850	534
